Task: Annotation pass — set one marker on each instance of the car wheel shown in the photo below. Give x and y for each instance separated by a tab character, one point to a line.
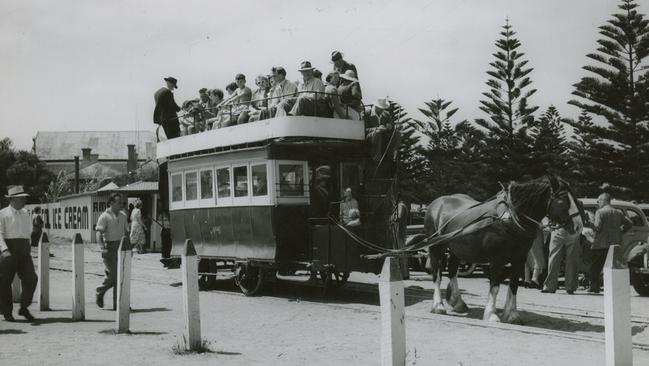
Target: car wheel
640	282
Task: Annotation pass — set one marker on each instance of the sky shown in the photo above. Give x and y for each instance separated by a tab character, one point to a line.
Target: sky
95	65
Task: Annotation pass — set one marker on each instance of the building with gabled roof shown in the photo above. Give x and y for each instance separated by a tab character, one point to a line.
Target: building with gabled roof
112	149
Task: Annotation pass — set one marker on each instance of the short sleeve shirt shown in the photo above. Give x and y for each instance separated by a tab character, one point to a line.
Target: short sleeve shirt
113	226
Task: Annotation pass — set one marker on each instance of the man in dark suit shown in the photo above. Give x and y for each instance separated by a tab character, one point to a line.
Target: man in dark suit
609	226
166	108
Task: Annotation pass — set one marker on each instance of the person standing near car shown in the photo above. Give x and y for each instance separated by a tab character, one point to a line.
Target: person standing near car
112	225
609	225
564	236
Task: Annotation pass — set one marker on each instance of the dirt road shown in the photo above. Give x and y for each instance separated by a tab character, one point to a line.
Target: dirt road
293	324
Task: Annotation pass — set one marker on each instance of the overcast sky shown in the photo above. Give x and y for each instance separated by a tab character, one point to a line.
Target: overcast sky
94	65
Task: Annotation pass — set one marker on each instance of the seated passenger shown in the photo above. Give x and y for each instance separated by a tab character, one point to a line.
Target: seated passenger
212	110
311	100
259	101
349	213
236	103
378	128
350	95
333	98
191	121
341	65
283	94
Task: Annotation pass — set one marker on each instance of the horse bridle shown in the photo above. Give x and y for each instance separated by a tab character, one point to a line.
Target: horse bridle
553	195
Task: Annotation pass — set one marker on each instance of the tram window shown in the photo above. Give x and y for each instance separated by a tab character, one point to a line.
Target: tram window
223	182
207	186
191	186
259	180
240	175
176	188
291	180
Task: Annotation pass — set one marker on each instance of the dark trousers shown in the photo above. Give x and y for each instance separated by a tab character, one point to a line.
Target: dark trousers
36	237
109	254
172	129
599	257
19	262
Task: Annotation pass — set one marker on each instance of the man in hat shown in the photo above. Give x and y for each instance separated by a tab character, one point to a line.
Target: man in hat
166	108
340	64
309	102
15	256
378	127
112	225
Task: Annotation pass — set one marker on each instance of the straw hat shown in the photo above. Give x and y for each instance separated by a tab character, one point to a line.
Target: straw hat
16	191
349	75
382	103
305	66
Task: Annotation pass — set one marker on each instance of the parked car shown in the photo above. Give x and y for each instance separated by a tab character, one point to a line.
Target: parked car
644	207
635	245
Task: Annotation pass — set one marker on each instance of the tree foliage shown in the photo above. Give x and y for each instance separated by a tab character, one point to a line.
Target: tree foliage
20	167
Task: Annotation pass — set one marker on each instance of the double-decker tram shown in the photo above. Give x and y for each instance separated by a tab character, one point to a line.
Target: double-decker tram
262	198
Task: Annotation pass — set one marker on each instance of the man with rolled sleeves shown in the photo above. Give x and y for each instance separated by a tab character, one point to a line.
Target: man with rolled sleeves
112	225
15	255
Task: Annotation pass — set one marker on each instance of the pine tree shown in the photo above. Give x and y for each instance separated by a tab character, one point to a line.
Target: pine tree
585	170
508	108
617	91
549	144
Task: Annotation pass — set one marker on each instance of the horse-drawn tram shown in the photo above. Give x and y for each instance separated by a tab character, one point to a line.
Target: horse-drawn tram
263	198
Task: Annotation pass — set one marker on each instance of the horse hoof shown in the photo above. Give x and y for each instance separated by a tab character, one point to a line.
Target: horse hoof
493	318
514	318
461	308
439	309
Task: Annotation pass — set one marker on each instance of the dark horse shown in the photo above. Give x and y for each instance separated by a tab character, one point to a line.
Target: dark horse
498	232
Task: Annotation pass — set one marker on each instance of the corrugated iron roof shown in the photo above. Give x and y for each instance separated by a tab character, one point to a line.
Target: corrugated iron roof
65	145
96	171
140	186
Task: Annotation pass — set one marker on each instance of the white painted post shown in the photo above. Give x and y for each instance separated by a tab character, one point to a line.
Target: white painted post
78	290
44	272
617	309
393	315
16	289
190	297
124	285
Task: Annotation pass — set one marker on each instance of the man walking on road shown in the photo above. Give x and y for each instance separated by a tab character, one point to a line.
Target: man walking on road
609	226
15	255
112	225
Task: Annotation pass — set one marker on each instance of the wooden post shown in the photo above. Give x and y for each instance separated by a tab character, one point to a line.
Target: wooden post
393	316
124	285
617	309
44	272
16	289
190	297
78	291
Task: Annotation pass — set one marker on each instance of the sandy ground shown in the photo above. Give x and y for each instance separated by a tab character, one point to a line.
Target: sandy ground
292	324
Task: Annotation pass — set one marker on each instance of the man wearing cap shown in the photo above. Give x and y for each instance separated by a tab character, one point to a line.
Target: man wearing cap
340	64
166	108
15	256
112	225
307	103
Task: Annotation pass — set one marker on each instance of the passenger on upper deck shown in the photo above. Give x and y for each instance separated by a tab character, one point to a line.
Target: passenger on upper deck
332	96
259	101
236	103
283	91
165	110
378	127
341	65
350	95
212	111
307	103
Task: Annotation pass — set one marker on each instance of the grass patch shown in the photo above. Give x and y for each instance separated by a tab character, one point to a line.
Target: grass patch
181	347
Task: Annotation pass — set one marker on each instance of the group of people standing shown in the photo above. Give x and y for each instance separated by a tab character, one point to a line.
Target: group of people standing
604	229
338	96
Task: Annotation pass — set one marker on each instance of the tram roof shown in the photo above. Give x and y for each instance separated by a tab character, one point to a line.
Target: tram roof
265	130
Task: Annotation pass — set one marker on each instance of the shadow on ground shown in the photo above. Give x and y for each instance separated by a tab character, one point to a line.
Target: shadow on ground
149	310
12	331
114	332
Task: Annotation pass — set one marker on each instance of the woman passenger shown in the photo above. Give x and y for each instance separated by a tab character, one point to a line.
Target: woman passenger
332	95
350	95
212	110
259	101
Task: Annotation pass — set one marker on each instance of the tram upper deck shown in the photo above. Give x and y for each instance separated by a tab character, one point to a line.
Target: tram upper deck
260	132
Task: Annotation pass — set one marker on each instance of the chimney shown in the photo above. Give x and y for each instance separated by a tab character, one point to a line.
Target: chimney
131	164
85	153
76	174
94	158
149	150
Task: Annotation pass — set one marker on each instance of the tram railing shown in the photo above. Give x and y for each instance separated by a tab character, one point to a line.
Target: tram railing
198	122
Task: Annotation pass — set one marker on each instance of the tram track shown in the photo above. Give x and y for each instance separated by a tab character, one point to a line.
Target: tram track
412	296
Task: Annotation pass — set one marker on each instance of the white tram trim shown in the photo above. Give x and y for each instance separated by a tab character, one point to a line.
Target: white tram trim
289	126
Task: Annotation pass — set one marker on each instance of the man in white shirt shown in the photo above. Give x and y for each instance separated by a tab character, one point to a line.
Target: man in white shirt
15	255
282	95
307	104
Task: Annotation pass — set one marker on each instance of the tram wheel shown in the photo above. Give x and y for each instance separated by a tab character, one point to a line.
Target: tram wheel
333	278
249	278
